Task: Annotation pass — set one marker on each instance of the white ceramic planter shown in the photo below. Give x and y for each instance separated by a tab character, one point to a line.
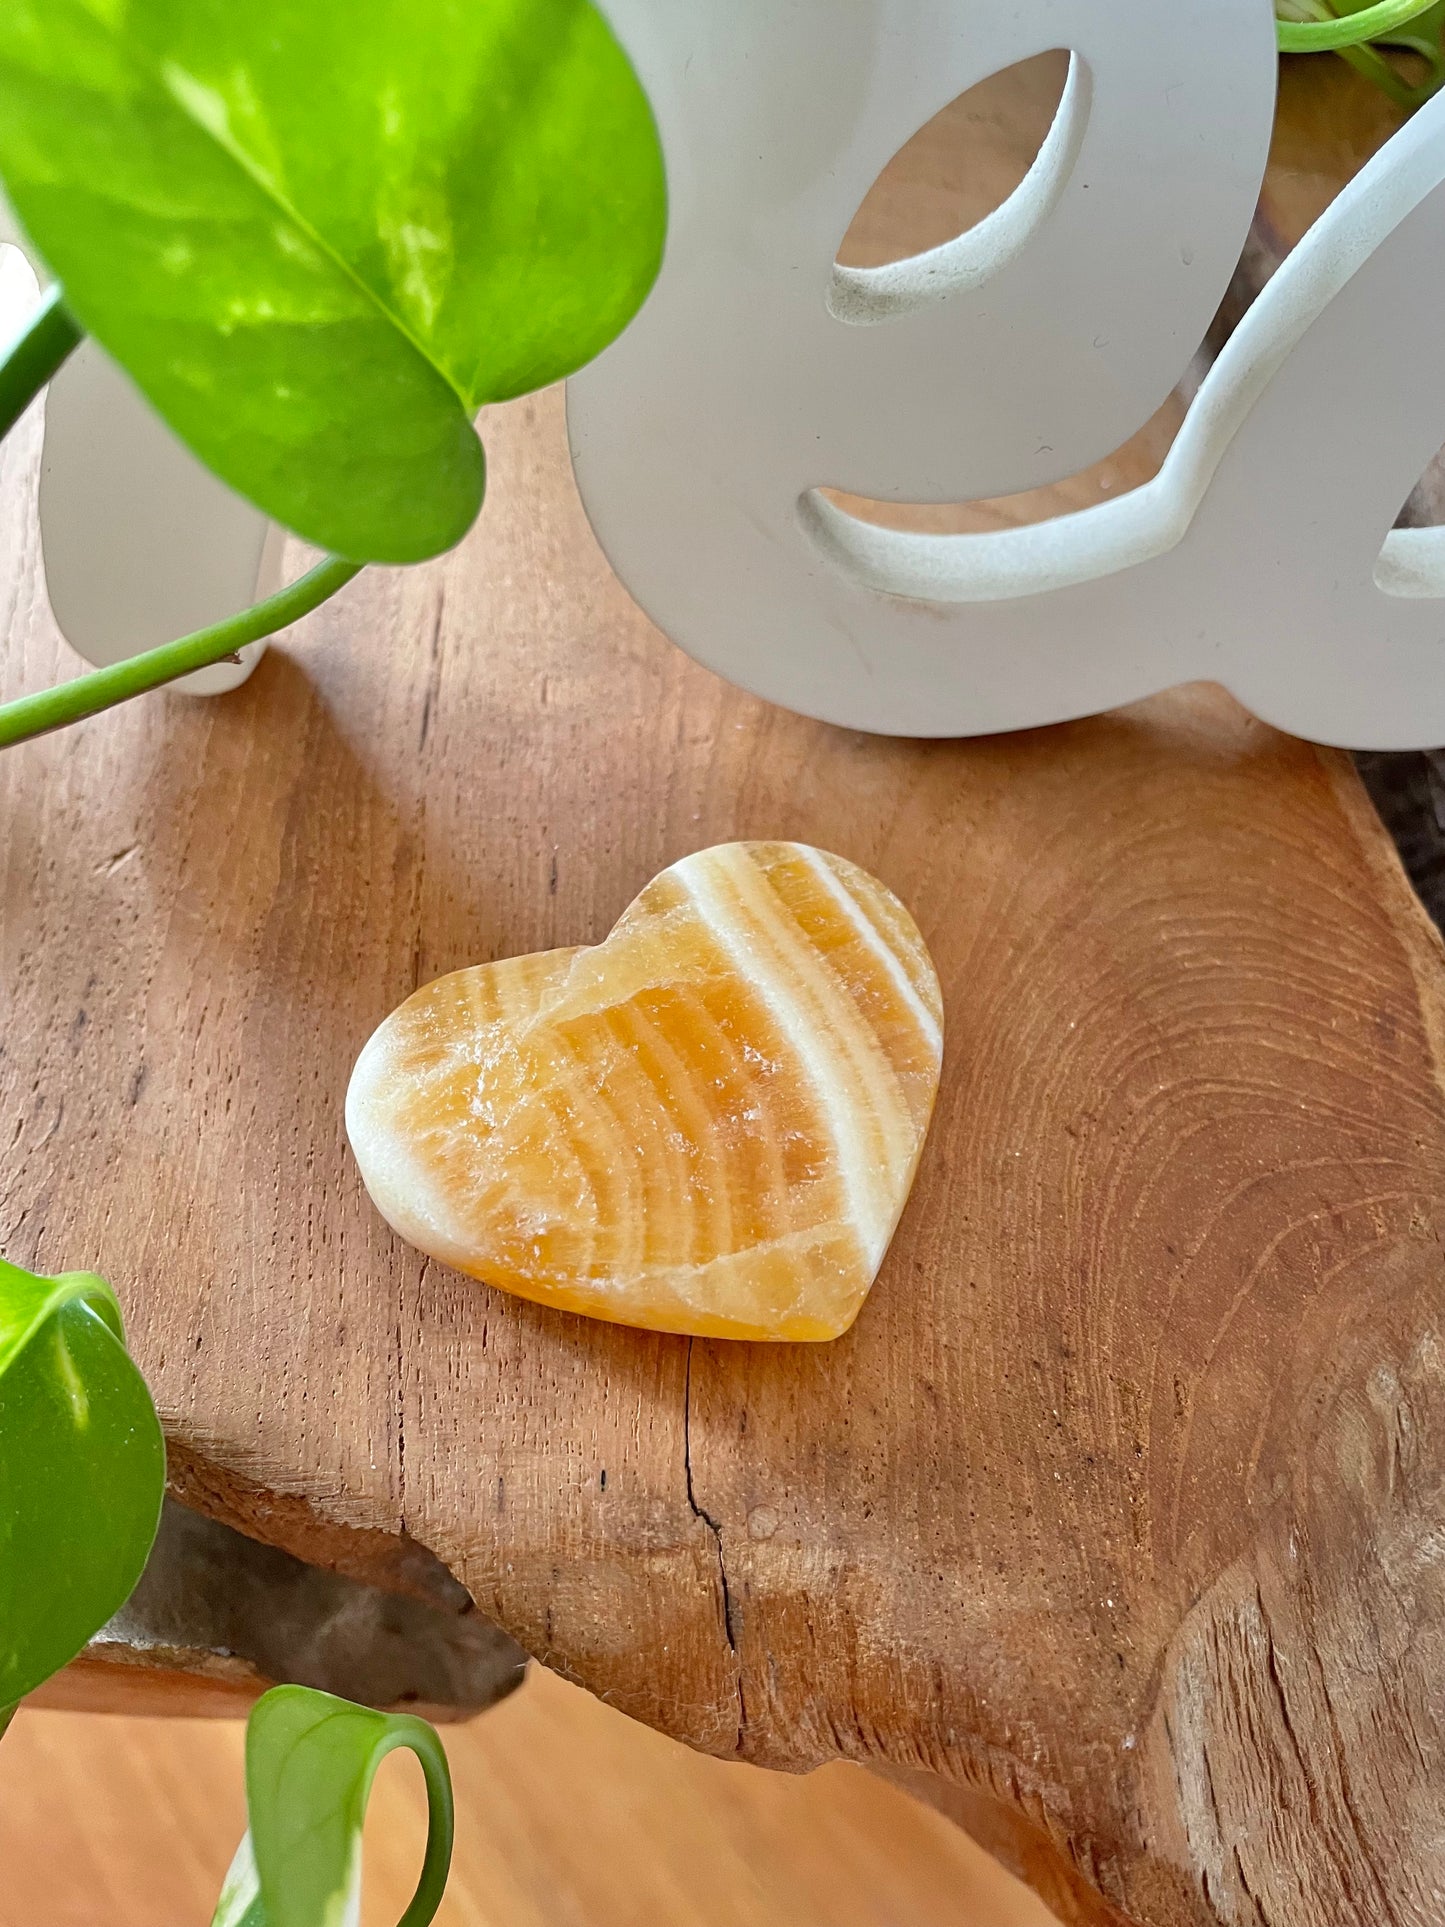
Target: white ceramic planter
141	542
759	372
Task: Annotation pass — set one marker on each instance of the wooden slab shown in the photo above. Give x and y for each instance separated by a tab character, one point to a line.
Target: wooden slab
1119	1511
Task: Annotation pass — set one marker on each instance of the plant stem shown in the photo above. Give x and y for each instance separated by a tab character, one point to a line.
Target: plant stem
1328	36
69	702
33	357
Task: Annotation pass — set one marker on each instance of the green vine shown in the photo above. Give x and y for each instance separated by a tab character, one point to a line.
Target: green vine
71	702
1323	30
1358	30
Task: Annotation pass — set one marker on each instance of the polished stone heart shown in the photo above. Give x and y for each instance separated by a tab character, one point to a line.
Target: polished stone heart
709	1123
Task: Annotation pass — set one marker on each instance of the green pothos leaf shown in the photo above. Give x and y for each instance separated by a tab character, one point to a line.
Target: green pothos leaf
82	1471
310	1762
320	234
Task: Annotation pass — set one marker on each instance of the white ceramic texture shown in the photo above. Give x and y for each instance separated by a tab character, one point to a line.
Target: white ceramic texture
141	542
759	372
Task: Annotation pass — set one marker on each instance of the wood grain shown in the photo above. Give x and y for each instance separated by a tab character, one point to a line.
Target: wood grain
1115	1521
566	1813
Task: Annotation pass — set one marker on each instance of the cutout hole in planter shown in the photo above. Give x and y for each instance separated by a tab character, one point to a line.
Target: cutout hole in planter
965	194
1137	462
1412	563
1425	507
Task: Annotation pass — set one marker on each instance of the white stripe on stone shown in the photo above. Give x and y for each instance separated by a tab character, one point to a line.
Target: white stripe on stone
892	964
864	1185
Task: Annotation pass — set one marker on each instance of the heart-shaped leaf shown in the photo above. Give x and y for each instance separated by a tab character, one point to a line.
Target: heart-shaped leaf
310	1762
320	234
82	1471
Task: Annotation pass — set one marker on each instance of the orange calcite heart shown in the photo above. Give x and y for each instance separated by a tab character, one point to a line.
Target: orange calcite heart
709	1123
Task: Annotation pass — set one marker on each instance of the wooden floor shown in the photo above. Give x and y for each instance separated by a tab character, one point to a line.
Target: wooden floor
569	1816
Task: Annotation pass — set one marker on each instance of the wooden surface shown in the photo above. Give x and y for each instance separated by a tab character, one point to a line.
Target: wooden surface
1115	1522
567	1816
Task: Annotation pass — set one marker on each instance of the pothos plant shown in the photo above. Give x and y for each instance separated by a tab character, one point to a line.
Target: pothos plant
320	235
82	1476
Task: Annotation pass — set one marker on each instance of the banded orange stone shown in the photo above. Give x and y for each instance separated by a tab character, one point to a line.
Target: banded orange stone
708	1123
